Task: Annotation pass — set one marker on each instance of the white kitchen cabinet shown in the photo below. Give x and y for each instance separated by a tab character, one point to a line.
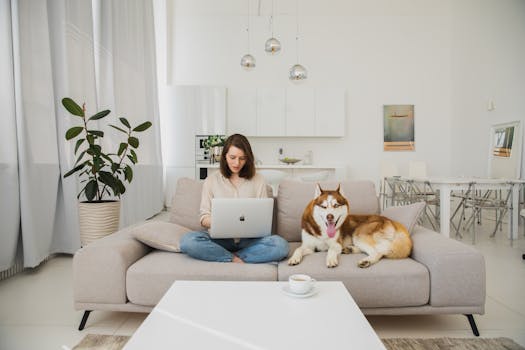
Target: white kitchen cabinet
294	112
242	111
329	112
300	112
271	111
210	110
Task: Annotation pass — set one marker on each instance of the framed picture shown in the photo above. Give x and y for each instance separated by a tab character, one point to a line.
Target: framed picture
398	124
505	150
503	137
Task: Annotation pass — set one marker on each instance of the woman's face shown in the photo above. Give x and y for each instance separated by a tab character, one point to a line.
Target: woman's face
236	159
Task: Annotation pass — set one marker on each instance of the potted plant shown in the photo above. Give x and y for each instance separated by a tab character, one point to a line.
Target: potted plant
101	174
214	144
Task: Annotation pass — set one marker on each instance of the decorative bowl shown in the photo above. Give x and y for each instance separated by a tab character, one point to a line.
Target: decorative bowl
288	160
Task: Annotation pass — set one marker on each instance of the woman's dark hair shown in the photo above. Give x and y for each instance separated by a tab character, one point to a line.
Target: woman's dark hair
242	143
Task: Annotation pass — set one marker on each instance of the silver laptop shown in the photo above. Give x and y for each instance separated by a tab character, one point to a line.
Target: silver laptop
241	217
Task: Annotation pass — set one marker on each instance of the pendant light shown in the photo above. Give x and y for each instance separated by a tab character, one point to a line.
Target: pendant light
272	45
248	61
297	72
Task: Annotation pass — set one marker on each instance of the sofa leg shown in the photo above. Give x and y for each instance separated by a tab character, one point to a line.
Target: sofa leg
473	325
84	319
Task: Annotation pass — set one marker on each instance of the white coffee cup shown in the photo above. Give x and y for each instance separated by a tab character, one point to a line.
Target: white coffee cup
300	284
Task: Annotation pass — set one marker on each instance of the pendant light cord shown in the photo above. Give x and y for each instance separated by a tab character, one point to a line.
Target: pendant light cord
248	27
297	30
271	20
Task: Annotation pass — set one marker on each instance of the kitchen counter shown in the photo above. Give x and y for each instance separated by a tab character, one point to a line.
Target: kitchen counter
277	166
337	172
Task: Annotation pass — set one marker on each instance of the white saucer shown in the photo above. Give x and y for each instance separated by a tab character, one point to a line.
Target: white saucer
287	291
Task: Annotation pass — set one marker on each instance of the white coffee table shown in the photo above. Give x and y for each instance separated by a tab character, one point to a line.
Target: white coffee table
254	315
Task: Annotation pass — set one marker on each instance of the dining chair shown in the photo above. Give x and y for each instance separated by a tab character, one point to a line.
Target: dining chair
388	188
476	201
423	192
522	214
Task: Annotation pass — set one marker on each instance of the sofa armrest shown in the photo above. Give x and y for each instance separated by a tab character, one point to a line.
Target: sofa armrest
457	271
99	269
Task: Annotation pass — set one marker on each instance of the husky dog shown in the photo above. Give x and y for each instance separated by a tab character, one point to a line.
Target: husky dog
328	226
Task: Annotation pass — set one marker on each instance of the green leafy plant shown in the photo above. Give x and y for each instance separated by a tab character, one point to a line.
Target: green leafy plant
214	141
101	172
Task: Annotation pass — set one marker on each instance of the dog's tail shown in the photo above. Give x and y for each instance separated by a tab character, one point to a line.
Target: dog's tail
401	244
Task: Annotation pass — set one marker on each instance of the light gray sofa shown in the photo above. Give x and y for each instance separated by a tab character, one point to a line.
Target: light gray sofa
442	276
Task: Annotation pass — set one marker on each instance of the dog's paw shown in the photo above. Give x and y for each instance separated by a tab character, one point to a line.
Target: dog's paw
347	250
364	263
332	262
295	259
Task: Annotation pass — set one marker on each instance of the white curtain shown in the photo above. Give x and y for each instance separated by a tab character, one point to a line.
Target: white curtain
9	200
100	53
127	84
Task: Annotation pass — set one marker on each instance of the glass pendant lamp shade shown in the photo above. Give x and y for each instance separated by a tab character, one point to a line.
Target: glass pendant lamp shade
298	72
272	46
248	61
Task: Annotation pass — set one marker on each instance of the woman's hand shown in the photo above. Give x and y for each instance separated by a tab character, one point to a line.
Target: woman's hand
206	222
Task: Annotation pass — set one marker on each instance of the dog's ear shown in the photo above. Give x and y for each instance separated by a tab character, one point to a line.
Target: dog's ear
318	190
340	190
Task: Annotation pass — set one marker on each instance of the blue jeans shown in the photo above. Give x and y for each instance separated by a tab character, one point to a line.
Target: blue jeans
200	245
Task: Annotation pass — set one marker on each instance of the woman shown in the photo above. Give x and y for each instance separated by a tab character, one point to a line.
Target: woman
236	179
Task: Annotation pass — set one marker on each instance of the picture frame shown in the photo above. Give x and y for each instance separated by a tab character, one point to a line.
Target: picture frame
502	142
398	128
505	151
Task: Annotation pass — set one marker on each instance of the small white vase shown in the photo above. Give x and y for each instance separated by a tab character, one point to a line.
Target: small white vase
97	220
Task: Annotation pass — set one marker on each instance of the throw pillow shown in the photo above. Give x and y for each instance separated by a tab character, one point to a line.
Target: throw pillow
406	214
186	203
160	235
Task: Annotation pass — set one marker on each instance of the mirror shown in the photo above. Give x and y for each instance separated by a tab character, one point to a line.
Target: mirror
505	151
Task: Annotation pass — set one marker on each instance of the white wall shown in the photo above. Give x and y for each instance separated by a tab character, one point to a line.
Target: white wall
445	57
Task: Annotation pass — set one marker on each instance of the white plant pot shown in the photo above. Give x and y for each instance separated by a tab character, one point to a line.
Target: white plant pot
98	220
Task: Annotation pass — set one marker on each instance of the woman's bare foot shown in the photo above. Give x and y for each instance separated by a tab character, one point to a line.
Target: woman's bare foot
238	260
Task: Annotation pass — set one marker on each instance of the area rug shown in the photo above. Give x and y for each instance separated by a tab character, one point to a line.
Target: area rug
451	344
102	341
117	342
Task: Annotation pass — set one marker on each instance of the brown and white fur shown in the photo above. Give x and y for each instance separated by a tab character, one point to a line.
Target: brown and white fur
328	226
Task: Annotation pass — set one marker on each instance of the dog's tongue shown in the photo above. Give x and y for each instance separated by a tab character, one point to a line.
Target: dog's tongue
330	230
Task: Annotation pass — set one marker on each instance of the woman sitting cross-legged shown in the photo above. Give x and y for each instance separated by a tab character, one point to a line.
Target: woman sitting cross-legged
236	179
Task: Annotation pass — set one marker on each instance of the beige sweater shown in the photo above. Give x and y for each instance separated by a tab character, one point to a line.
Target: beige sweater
217	186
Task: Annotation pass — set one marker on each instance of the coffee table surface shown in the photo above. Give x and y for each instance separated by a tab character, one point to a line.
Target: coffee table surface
254	315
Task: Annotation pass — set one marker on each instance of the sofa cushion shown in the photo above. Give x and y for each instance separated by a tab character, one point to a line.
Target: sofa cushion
295	195
150	277
160	235
186	203
388	283
405	214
